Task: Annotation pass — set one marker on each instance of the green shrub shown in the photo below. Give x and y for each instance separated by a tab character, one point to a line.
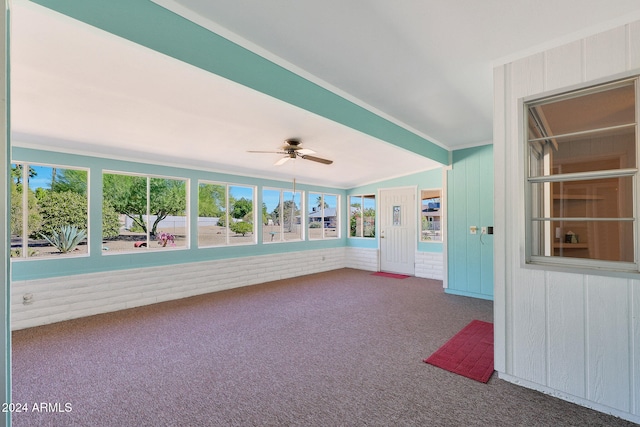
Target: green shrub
67	238
315	225
110	221
59	209
34	220
241	227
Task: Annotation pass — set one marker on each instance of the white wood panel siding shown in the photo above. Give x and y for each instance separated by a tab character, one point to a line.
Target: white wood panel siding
63	298
575	336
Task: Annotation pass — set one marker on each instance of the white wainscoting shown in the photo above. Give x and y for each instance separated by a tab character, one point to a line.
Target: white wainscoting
44	301
362	259
430	265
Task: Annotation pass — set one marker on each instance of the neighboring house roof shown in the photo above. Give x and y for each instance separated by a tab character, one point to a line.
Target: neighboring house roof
328	212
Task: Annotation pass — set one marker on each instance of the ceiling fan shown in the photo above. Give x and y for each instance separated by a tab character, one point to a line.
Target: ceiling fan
292	149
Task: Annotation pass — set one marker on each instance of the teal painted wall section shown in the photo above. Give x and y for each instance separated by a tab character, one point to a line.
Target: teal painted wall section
423	181
469	203
97	261
152	26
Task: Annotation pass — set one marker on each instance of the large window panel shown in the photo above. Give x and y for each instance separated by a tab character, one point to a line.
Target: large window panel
152	212
241	225
362	216
323	218
212	214
430	215
582	177
225	214
49	211
168	212
282	220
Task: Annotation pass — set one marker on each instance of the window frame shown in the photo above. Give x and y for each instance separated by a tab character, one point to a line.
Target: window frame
574	264
301	209
227	186
420	216
24	248
362	198
322	209
148	177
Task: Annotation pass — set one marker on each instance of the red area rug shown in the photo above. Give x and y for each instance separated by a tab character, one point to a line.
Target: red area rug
392	275
468	353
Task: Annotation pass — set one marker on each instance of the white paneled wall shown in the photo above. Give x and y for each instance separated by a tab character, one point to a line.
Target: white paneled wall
43	301
575	336
430	265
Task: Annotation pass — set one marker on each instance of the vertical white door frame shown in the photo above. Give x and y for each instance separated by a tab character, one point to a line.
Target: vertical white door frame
443	225
412	243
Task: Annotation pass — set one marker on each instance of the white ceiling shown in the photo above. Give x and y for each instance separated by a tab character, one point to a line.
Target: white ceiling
424	64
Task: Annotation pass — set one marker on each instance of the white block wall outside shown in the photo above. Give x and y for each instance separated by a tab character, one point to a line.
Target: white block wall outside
430	265
362	259
63	298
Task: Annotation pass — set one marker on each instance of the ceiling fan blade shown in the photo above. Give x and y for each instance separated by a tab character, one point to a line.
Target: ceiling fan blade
282	161
268	152
317	159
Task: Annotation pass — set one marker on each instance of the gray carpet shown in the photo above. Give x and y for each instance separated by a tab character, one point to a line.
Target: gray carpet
342	348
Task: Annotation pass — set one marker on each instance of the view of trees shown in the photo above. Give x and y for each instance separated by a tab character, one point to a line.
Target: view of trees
53	202
127	194
56	200
287	217
362	216
212	203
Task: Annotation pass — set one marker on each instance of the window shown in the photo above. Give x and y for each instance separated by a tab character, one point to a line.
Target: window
430	224
582	177
362	216
49	211
225	214
151	212
323	216
281	215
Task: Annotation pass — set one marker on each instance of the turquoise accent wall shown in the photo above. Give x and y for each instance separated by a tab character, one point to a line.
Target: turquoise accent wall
97	261
152	26
430	179
469	203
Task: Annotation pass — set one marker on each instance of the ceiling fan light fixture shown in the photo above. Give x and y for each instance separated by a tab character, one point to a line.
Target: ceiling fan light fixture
292	150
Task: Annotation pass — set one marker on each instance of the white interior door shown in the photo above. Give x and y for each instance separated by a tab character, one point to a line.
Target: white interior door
398	230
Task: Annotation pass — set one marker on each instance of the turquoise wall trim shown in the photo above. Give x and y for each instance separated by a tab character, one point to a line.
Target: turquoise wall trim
422	180
436	247
470	203
152	26
97	261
